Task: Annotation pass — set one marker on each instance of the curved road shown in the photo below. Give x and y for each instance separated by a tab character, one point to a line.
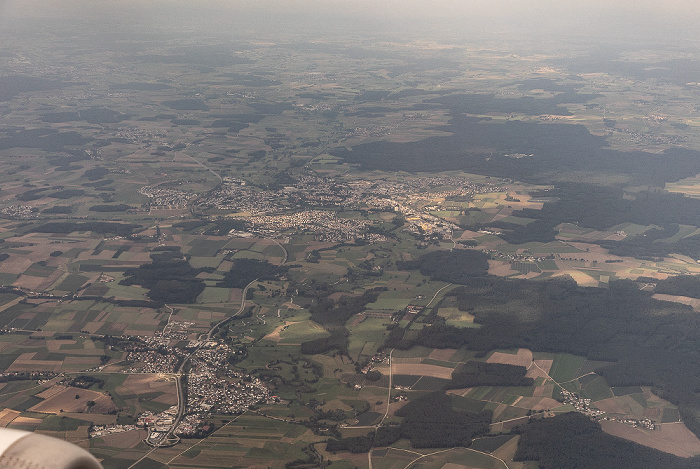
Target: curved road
450	449
181	403
286	254
436	294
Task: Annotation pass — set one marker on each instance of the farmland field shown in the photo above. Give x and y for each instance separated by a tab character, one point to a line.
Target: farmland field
283	243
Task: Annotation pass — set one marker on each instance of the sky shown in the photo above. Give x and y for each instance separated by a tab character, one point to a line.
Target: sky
639	20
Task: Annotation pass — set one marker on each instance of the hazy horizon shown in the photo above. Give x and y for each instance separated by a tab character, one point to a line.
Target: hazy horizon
539	20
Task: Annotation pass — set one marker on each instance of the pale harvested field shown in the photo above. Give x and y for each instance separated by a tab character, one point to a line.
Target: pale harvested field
468	235
16	264
169	399
275	335
522	358
679	434
538	403
674	438
500	268
622	269
27	421
541	370
65	400
143	383
684	300
544	390
25	363
50	280
28	282
595	252
645	273
419	369
329	268
507	452
580	278
7	416
442	354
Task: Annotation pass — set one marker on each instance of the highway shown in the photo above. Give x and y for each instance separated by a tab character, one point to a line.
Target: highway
169	438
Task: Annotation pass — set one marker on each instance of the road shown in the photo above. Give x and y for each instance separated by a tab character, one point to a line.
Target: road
225	320
286	254
217	175
388	404
203	439
181	402
436	294
391	385
169	317
450	449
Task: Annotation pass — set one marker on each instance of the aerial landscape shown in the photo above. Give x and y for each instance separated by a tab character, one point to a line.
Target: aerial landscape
352	234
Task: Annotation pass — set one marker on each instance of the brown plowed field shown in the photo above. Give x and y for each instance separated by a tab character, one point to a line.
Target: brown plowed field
63	399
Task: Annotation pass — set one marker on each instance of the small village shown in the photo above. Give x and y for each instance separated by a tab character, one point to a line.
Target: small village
584	406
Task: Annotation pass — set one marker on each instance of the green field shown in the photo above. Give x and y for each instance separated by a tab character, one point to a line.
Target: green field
301	332
54	423
565	367
130	152
214	295
206	247
597	389
72	282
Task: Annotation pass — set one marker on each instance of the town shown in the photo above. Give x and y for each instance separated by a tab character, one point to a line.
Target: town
312	204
